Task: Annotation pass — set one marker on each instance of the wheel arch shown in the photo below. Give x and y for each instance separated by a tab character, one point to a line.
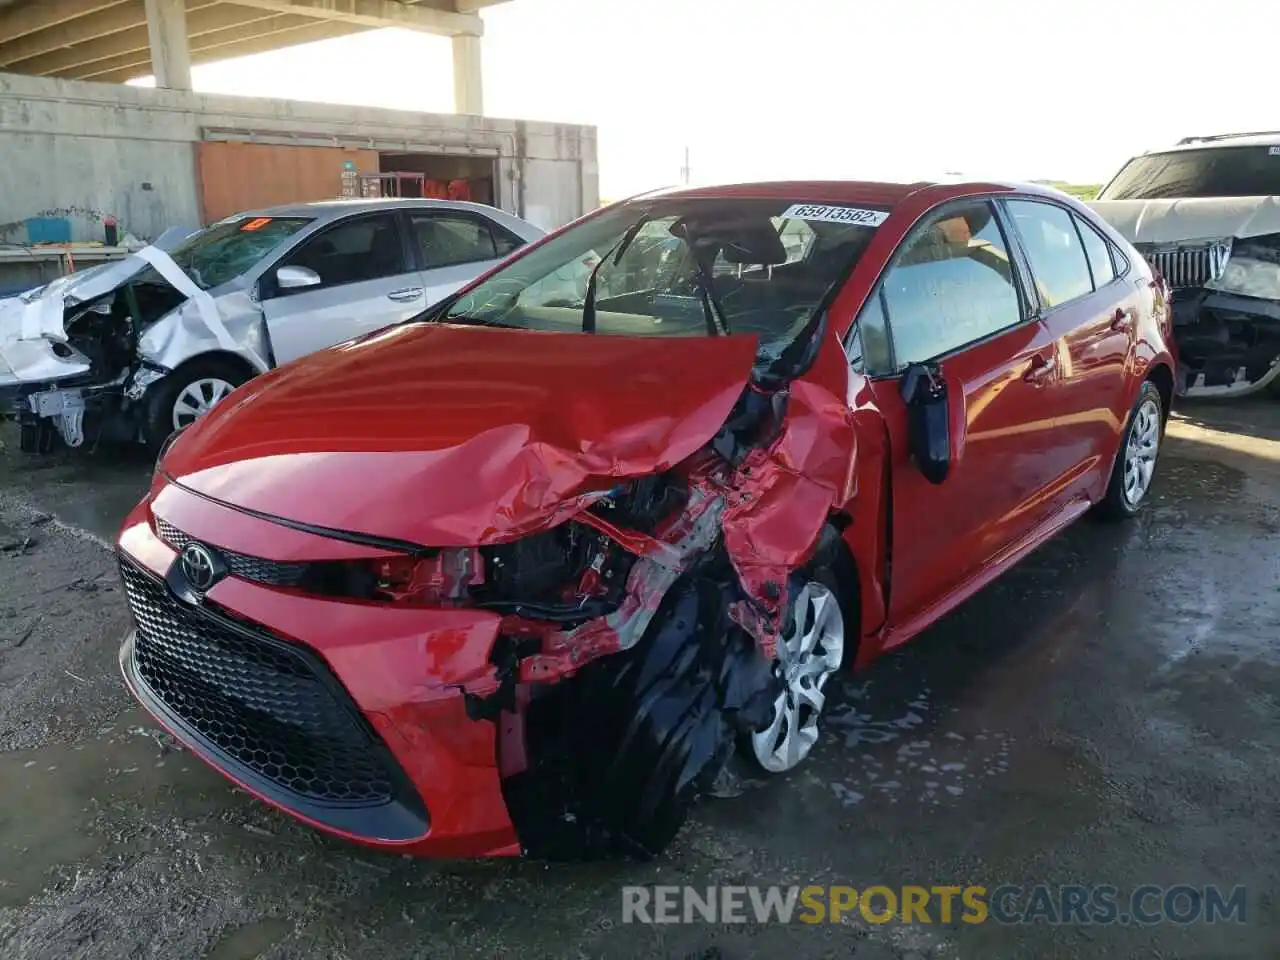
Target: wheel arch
835	554
154	422
227	357
1161	374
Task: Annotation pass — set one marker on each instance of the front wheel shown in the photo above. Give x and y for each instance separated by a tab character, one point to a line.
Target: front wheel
1135	465
186	395
810	650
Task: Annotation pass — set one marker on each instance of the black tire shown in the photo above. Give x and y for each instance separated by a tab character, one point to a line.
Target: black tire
618	753
158	407
1116	503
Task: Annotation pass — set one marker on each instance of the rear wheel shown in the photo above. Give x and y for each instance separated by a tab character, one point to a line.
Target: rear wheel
1136	463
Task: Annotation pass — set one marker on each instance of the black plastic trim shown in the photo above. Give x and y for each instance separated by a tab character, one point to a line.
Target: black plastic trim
402	819
347	536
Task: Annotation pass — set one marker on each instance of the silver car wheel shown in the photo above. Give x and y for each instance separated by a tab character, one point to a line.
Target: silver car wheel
809	652
1140	452
197	399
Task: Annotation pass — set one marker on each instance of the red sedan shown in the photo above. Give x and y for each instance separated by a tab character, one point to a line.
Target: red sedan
529	573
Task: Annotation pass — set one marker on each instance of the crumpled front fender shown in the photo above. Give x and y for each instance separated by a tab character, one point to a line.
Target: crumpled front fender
783	494
184	333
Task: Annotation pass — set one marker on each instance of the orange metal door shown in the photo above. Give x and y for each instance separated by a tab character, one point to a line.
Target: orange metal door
244	176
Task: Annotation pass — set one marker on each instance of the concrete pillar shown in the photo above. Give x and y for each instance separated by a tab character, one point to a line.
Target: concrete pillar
468	81
170	51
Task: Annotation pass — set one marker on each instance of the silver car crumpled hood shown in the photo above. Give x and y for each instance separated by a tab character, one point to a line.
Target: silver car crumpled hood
29	323
1251	269
1196	218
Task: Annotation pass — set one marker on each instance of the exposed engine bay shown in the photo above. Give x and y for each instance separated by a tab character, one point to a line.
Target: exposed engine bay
1206	216
78	355
102	337
1226	312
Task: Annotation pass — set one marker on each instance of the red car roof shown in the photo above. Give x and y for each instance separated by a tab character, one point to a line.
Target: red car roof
843	191
818	191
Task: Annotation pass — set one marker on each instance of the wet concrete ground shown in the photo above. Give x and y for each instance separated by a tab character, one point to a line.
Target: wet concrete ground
1108	713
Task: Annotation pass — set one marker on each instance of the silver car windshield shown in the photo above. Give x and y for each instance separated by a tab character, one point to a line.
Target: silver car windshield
227	249
1247	171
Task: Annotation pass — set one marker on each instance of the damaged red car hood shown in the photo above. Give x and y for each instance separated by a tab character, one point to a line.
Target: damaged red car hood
453	436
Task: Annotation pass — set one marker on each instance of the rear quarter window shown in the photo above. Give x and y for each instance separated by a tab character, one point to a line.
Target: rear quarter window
1098	252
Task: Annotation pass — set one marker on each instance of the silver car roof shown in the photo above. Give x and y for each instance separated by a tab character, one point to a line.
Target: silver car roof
326	210
340	208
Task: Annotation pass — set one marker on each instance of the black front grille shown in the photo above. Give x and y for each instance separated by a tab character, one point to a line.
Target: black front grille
272	572
265	703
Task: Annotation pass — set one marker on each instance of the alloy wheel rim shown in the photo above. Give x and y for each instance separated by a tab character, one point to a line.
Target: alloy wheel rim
197	399
809	652
1141	450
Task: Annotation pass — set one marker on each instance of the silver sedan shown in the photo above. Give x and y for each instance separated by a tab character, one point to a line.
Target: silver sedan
146	345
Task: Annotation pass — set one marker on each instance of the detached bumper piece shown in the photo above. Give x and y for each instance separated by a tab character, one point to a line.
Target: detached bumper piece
267	713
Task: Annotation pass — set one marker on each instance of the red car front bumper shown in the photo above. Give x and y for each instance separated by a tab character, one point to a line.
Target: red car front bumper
345	715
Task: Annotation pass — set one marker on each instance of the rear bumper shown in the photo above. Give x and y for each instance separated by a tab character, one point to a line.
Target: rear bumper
446	795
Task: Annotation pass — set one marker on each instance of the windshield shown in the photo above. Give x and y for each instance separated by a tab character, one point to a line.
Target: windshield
1212	172
227	249
681	267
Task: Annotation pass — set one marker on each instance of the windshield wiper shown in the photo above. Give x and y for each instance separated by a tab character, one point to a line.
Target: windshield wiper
712	310
615	252
717	323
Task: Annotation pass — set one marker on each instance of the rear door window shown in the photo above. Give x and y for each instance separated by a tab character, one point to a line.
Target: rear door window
1057	258
447	240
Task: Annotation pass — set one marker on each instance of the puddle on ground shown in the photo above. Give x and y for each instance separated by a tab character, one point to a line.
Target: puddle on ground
894	761
67	806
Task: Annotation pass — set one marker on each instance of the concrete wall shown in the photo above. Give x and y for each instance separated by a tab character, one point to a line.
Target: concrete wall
85	150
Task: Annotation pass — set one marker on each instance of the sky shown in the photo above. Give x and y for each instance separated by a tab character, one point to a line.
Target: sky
862	89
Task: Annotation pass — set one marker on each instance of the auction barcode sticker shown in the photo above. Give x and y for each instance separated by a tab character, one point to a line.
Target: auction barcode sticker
852	215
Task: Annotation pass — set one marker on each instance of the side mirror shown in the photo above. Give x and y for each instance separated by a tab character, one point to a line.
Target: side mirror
924	391
295	278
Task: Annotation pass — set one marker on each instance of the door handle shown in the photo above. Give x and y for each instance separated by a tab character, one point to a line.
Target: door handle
1041	367
1121	319
405	295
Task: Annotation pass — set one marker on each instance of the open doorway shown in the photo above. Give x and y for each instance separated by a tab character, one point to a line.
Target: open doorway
436	176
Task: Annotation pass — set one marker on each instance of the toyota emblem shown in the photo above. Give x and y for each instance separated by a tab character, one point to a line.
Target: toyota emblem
198	566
